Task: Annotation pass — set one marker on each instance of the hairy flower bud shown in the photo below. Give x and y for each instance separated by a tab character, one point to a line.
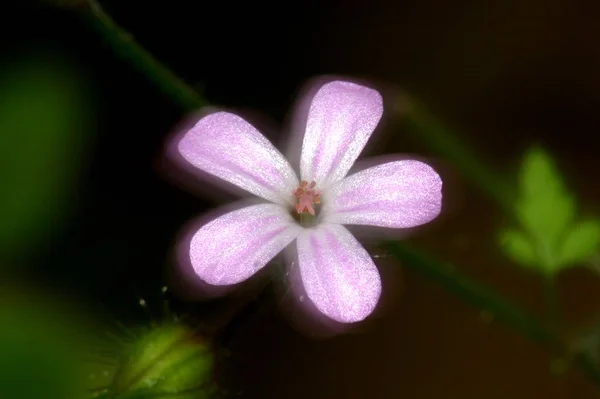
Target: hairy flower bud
168	361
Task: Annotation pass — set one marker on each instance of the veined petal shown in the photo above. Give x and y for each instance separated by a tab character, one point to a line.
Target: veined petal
341	118
396	194
225	145
338	274
233	247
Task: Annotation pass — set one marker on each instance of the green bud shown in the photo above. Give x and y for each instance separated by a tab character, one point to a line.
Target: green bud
167	362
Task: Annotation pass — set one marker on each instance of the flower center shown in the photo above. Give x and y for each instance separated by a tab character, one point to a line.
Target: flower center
306	198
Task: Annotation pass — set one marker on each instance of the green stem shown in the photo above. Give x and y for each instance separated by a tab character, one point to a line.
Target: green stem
484	298
552	304
446	143
124	44
476	294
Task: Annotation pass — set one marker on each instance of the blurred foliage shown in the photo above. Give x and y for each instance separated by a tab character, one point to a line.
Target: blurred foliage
39	351
580	243
167	362
43	122
50	350
550	238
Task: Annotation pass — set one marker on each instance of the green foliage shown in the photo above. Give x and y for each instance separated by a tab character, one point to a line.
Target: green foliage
550	239
518	247
545	208
43	121
580	242
167	362
38	357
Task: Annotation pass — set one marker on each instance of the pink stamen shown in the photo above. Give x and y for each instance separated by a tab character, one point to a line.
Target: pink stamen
306	197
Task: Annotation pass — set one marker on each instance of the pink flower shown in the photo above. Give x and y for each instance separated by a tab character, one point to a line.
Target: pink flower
338	275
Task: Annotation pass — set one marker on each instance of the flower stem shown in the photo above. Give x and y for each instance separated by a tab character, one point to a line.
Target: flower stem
484	298
473	292
126	47
447	144
437	136
552	304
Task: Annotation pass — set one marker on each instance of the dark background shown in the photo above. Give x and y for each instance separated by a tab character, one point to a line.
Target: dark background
505	74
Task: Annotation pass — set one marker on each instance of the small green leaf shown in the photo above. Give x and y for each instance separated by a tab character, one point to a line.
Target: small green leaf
545	208
518	247
580	242
546	211
547	218
538	174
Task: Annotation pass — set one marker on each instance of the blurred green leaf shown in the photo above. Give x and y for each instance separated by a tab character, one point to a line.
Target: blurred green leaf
549	241
43	120
580	243
538	174
518	247
38	356
545	208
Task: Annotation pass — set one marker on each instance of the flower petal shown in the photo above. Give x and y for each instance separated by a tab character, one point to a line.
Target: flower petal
338	274
341	118
225	145
233	247
396	194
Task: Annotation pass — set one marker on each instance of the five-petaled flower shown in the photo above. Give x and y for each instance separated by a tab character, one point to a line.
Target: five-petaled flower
337	273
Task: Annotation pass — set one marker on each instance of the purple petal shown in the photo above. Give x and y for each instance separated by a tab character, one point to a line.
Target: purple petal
225	145
396	194
341	118
338	274
233	247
